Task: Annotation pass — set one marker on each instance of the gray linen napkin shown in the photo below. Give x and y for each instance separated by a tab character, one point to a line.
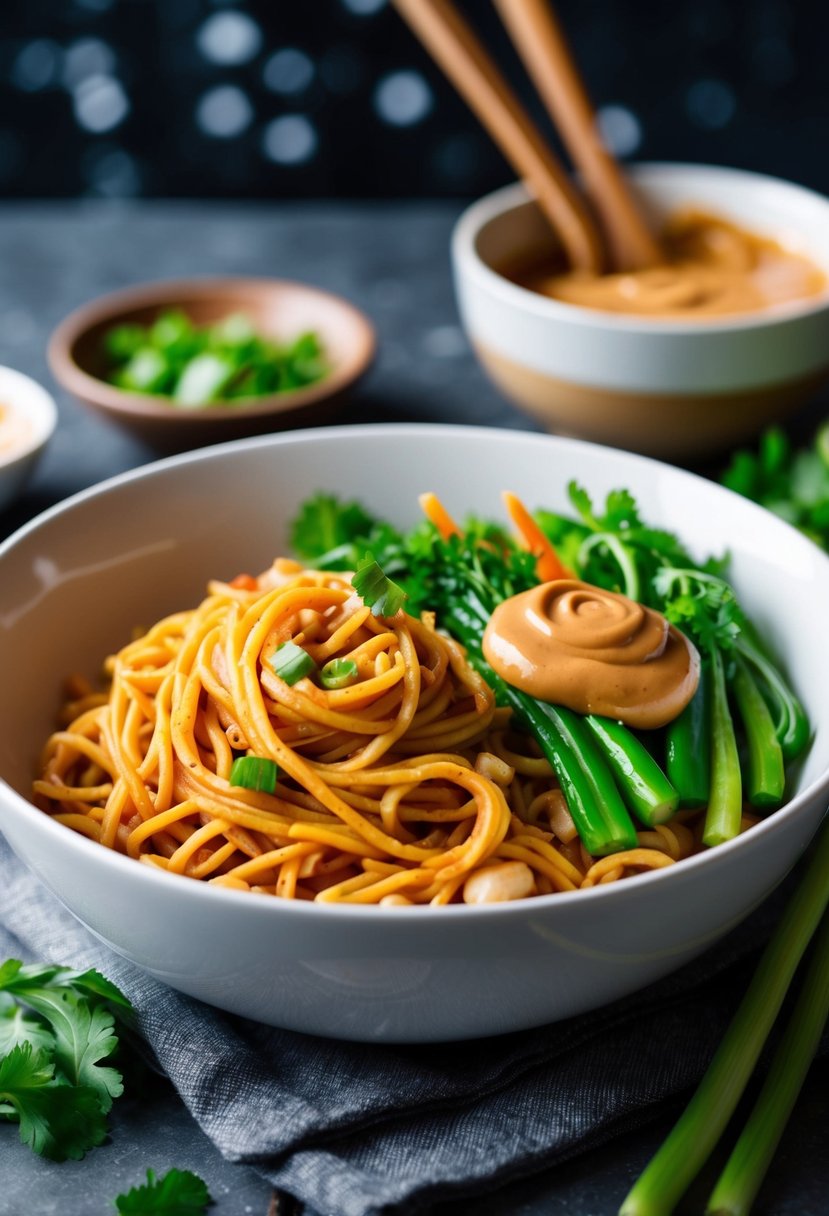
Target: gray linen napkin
356	1130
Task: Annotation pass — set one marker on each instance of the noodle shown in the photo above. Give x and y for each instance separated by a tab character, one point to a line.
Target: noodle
393	789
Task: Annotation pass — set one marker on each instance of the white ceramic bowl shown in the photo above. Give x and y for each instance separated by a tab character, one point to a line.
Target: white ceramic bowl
73	584
29	422
667	388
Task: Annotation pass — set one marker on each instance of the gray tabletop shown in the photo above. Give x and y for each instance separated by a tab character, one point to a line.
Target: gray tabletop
392	261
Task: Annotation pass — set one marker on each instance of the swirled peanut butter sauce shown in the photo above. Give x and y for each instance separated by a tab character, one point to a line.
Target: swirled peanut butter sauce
711	268
593	651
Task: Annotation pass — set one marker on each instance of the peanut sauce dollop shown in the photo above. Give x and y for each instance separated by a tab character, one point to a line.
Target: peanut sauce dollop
594	651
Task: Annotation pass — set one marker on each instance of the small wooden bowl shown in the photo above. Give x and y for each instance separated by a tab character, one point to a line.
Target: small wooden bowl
276	308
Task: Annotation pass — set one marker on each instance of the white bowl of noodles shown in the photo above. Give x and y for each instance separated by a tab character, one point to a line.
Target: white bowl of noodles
76	582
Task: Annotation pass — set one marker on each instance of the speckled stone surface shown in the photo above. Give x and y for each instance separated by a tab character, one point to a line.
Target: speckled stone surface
393	262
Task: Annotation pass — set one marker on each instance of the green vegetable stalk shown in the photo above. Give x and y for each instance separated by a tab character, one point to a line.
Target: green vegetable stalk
746	1167
688	747
766	767
647	791
725	799
689	1145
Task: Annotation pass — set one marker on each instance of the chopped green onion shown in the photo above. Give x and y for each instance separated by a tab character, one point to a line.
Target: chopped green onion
338	673
254	773
204	379
377	591
291	663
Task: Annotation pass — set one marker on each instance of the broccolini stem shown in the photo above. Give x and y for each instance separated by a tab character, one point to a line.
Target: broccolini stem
593	800
790	721
641	782
725	804
688	747
766	767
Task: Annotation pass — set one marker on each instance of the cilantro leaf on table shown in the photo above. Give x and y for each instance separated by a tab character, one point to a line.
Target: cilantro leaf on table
176	1193
57	1121
17	1026
83	1030
57	1025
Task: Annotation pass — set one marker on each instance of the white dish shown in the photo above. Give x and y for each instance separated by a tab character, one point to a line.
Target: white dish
29	418
74	583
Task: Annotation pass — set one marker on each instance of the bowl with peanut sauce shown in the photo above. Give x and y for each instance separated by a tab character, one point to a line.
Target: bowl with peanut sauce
28	416
680	360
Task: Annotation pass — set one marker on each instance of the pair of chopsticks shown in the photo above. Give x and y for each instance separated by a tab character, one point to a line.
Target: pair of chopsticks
624	241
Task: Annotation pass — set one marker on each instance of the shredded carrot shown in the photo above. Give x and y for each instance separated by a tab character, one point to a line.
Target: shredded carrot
548	565
244	582
437	514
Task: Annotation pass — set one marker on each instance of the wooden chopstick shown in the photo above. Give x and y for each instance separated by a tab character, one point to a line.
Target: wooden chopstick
539	39
456	49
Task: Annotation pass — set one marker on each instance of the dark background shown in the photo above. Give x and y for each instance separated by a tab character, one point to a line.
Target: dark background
277	99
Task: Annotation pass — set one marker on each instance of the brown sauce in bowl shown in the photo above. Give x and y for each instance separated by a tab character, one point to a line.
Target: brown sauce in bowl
712	268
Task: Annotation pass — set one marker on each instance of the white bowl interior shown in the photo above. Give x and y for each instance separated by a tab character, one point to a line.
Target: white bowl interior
75	582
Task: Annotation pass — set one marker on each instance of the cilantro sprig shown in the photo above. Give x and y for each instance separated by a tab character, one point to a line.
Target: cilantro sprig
57	1029
791	482
176	1193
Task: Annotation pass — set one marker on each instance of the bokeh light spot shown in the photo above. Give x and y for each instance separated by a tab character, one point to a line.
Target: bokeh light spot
224	112
403	98
84	58
100	103
229	38
37	65
619	129
364	8
290	139
710	104
111	172
288	71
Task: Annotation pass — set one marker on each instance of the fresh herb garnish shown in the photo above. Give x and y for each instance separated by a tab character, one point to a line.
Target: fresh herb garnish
176	1193
254	773
291	663
792	483
378	592
338	673
56	1027
196	365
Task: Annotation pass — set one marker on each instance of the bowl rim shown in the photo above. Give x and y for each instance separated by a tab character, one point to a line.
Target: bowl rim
28	397
700	862
168	292
500	202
